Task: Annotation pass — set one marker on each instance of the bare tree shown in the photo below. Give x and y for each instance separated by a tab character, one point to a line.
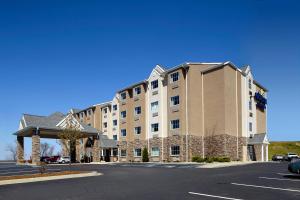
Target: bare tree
12	149
70	135
46	149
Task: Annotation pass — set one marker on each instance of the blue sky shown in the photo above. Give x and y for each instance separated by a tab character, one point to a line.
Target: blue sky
55	55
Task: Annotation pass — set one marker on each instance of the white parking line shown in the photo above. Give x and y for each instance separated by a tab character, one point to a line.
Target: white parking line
213	196
283	174
280	179
266	187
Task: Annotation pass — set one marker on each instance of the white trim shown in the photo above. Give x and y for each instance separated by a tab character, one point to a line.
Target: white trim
237	116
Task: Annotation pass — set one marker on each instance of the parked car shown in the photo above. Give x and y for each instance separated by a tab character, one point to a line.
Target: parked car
52	159
277	157
290	156
294	166
44	158
64	159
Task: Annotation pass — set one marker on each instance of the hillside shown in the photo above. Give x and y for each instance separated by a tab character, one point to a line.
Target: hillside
284	148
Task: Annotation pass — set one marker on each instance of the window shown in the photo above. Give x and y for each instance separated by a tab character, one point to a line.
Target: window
154	84
137	152
105	110
250	127
89	124
250	105
105	124
115	122
175	124
123	114
154	106
174	100
115	137
137	91
89	112
81	115
175	150
137	130
137	110
154	127
250	84
123	132
123	95
123	152
155	151
115	107
174	77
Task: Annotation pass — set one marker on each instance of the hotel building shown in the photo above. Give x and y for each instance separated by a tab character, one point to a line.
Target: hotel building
193	109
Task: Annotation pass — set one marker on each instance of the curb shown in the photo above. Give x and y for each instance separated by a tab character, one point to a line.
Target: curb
49	178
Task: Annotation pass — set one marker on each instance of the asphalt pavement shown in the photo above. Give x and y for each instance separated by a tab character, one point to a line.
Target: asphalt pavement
171	181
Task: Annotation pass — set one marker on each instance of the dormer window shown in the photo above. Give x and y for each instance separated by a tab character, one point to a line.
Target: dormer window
81	115
90	112
123	95
154	84
105	110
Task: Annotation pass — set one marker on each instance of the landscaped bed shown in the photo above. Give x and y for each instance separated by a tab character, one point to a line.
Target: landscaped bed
2	178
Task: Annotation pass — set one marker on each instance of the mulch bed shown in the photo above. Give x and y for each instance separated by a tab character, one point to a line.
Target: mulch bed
2	178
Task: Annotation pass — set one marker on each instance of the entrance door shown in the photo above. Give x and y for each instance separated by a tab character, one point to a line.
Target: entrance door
251	152
107	155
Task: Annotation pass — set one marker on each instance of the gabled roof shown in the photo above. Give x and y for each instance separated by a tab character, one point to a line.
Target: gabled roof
105	142
50	122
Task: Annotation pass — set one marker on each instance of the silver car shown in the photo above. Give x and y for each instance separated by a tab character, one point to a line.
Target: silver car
64	159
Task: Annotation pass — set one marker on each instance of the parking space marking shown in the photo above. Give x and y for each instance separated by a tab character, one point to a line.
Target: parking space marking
213	196
279	179
285	174
266	187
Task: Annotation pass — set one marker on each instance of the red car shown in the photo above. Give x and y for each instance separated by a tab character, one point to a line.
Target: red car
52	159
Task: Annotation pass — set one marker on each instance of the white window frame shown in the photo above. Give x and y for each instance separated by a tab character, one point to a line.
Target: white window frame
122	151
173	76
177	150
156	154
122	132
152	84
123	117
137	89
121	96
157	104
136	129
153	127
172	124
136	109
135	152
115	120
172	100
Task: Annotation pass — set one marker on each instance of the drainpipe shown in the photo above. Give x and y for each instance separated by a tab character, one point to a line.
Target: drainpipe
186	115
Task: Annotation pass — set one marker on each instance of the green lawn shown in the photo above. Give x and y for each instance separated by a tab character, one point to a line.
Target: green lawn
283	148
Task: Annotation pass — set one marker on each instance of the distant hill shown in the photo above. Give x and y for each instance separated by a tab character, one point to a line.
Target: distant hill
283	148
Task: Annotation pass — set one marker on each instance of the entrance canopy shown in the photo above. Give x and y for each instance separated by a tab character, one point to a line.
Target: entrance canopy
51	126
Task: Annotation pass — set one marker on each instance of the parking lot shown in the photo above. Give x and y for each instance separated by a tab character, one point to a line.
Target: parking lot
163	181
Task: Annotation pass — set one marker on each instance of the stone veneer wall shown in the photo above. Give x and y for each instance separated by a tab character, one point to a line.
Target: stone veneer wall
214	146
35	149
257	151
20	149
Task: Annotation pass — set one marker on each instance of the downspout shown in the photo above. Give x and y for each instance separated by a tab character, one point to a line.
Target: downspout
186	115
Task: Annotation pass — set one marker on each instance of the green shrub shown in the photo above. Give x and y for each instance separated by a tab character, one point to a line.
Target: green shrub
198	159
145	155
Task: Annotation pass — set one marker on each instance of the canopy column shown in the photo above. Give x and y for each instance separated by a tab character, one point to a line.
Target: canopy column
20	149
35	156
96	150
